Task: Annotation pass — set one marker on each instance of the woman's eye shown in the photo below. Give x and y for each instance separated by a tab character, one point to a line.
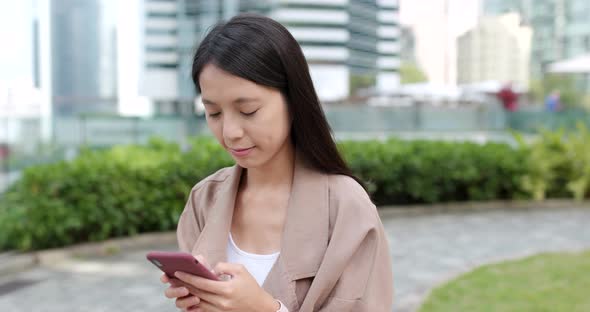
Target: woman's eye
214	114
249	114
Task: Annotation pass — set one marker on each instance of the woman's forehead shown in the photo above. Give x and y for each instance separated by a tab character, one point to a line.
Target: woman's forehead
213	77
218	85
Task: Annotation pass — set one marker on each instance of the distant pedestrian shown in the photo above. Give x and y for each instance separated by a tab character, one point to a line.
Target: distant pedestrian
552	102
508	97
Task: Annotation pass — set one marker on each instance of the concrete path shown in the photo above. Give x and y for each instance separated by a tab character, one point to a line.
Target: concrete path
427	249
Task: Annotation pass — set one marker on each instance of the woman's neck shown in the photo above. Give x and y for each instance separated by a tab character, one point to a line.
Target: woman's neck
278	171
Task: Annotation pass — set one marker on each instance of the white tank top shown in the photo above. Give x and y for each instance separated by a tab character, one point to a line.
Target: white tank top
257	265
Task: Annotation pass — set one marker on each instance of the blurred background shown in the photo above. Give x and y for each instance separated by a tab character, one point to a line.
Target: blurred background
104	72
433	102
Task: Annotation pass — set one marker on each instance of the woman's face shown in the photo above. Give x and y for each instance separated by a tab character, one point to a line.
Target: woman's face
249	120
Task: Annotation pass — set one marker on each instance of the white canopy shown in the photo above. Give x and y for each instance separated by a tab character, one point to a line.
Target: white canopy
429	90
488	86
579	64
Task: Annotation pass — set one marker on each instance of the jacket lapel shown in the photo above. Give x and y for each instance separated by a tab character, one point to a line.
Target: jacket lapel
305	234
212	241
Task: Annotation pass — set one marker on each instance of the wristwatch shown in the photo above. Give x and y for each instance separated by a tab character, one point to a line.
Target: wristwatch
283	308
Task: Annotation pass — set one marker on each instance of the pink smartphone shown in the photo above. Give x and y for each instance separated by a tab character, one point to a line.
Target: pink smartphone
171	262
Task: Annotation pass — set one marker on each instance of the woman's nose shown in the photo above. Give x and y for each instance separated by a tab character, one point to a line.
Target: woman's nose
232	129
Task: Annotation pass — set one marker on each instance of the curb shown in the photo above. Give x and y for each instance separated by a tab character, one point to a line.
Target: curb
460	207
14	262
106	248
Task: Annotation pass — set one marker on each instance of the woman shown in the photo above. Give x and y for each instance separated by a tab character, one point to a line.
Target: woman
289	223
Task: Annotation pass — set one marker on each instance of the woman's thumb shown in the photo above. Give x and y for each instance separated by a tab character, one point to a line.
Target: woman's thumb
230	269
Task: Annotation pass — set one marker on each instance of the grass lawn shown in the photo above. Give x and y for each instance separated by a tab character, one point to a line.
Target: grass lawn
545	282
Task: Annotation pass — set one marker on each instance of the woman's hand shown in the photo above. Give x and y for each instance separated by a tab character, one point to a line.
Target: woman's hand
240	293
186	300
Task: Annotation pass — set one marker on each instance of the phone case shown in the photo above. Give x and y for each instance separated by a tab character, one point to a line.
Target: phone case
171	262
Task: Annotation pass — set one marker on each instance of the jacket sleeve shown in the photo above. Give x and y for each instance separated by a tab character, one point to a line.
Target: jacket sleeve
188	229
357	260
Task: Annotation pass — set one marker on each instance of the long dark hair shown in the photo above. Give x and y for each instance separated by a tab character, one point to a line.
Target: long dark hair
259	49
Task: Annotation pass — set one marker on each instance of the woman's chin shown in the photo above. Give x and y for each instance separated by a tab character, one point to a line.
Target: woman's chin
246	163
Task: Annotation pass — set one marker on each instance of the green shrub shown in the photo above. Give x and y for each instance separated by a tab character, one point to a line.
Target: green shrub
404	172
578	153
558	164
132	189
103	194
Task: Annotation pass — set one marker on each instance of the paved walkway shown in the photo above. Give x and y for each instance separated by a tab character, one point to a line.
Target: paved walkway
427	249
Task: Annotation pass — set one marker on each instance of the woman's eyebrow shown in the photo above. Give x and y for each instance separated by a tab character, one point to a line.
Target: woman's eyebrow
239	100
207	102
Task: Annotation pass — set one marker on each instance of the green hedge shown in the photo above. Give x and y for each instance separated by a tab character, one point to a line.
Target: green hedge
103	194
407	172
131	189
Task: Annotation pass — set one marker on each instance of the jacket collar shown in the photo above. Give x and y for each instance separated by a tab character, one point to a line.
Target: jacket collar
305	232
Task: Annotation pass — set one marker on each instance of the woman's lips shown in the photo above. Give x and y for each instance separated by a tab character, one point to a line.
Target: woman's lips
241	152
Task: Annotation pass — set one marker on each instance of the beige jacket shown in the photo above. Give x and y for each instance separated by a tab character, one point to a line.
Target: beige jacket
334	251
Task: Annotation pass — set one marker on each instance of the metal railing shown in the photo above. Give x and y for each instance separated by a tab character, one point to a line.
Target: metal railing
477	122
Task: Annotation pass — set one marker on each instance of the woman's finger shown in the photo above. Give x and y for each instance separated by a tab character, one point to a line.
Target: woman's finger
194	291
195	308
177	283
201	282
202	294
209	297
187	302
175	292
174	282
231	269
206	306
